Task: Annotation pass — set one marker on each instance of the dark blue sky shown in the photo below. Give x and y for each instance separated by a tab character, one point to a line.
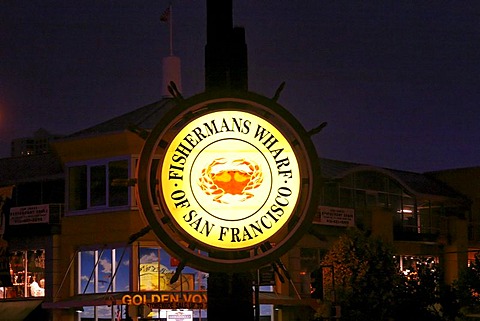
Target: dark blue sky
397	81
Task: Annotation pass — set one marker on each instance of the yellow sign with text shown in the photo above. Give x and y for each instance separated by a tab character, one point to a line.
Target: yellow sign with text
230	179
166	300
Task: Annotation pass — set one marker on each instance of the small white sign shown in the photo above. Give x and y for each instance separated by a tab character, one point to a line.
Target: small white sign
335	216
178	315
29	214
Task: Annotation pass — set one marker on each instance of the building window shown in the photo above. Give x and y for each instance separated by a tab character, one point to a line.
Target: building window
98	185
118	190
105	270
310	259
365	190
409	265
157	267
103	313
27	270
77	188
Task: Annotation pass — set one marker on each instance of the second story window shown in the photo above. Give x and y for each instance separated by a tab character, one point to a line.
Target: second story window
98	185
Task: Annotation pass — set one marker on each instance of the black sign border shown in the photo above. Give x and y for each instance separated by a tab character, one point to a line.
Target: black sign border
183	246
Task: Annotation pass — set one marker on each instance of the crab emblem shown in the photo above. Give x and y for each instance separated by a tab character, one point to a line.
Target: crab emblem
226	180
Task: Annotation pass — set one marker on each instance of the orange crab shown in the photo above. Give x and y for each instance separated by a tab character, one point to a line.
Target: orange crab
236	177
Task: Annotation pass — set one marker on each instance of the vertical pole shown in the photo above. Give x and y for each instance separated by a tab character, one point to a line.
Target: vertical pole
257	296
226	68
170	27
25	276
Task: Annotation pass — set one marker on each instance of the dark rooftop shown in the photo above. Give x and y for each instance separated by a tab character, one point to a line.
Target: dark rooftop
32	168
145	117
416	182
44	166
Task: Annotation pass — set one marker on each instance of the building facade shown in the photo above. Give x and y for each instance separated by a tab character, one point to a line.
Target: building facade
73	226
37	144
466	181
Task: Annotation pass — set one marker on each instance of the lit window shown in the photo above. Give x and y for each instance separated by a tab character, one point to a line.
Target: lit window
157	268
27	270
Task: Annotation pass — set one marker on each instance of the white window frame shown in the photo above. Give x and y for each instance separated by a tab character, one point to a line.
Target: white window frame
102	208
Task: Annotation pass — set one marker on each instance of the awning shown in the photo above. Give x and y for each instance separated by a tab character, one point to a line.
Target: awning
78	301
115	298
17	310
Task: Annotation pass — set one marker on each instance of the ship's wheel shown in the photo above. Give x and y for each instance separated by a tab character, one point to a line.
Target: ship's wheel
227	181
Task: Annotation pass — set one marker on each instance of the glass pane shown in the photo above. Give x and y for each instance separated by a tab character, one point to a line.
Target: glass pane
394	187
98	189
104	271
88	313
309	259
360	199
36	272
348	181
86	265
383	199
346	198
149	269
27	269
370	181
371	199
122	263
331	194
77	188
118	177
105	312
17	264
187	279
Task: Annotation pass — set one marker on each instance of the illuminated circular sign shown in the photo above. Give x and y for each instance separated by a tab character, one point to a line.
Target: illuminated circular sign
226	181
230	179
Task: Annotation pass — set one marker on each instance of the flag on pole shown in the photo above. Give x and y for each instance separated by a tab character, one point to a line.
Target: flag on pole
118	315
165	15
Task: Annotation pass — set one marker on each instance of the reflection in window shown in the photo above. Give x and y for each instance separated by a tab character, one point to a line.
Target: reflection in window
157	268
103	312
98	267
27	270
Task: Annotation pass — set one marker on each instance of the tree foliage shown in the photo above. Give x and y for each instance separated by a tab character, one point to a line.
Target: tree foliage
369	286
467	288
422	294
365	276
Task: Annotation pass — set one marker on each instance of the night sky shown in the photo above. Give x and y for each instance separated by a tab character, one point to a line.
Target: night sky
397	81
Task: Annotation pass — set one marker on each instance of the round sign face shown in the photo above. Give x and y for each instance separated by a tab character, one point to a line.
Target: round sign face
230	179
227	181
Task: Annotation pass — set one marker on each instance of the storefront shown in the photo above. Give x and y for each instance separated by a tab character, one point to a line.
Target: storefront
134	281
27	269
